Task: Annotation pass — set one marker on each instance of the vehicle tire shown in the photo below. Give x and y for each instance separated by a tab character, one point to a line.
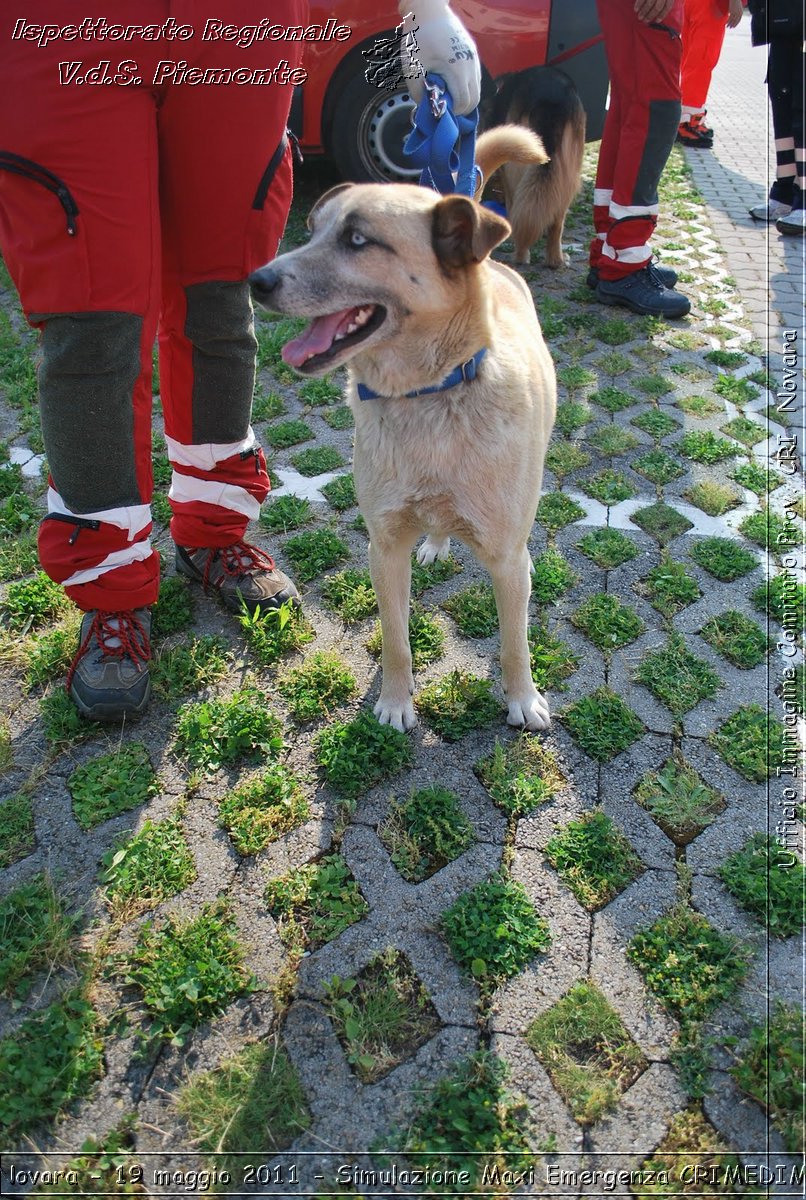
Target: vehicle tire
368	126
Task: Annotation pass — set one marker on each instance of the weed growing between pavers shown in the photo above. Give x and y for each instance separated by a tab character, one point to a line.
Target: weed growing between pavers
520	775
551	659
608	548
35	934
272	632
691	1140
784	599
17	831
494	931
313	552
317	461
760	480
608	487
687	963
473	609
713	498
699	406
267	406
748	432
111	784
552	577
571	416
50	1061
574	377
729	359
382	1016
48	655
677	677
469	1126
436	572
263	808
612	440
320	684
769	882
614	363
679	800
340	493
724	559
355	755
457	703
287	433
736	391
602	724
140	872
339	418
31	603
607	622
556	510
174	610
661	522
188	970
198	663
754	743
319	392
251	1103
737	638
656	423
770	1070
315	903
215	733
772	532
587	1052
426	637
702	446
564	457
613	399
425	832
286	513
350	594
658	466
18	555
594	859
61	721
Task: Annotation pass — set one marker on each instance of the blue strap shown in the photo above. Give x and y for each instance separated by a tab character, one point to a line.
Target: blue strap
464	373
443	144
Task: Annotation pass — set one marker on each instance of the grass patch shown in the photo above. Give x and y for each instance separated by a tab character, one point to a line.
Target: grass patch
712	497
215	733
317	461
723	558
458	703
339	418
770	1071
661	521
729	359
520	776
30	603
552	577
737	391
783	598
656	423
35	933
614	363
602	724
350	594
658	467
745	431
768	882
18	556
760	480
608	487
594	859
49	654
473	609
112	784
494	931
197	663
608	548
17	830
263	808
355	755
316	687
571	416
272	632
340	493
703	446
607	622
315	551
382	1016
737	638
315	903
678	800
556	510
772	532
564	457
174	610
426	637
574	377
613	399
252	1103
699	406
690	1141
669	587
318	392
753	743
612	440
688	965
61	721
677	677
141	871
425	832
440	570
188	970
287	433
267	406
551	659
587	1052
286	513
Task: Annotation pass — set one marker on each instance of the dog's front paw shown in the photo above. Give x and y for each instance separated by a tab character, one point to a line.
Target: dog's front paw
559	263
432	549
529	711
398	713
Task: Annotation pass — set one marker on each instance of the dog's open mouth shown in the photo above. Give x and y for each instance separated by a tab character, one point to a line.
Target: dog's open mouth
326	337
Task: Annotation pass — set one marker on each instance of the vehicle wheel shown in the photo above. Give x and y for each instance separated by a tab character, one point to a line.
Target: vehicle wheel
368	128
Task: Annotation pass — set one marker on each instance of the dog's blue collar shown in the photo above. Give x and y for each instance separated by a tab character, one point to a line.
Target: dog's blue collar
464	373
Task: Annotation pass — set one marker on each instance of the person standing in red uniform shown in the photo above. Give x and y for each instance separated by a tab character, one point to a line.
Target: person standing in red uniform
704	25
642	42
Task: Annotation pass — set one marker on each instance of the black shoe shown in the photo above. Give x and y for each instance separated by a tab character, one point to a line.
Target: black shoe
694	133
240	574
643	292
793	223
108	678
666	276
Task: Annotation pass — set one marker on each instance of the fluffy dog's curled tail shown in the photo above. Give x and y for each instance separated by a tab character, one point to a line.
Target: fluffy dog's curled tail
507	144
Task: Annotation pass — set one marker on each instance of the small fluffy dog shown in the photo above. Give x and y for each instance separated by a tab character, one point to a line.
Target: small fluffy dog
538	195
398	284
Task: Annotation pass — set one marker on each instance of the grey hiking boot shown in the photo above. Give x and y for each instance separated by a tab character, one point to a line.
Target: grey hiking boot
666	275
241	574
108	678
643	292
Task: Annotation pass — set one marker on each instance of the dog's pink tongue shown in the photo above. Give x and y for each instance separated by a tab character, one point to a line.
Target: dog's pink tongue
316	339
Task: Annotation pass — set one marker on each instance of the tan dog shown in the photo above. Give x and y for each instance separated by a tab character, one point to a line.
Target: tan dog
399	286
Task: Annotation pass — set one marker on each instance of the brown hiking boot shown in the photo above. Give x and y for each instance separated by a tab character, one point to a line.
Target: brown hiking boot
108	678
241	574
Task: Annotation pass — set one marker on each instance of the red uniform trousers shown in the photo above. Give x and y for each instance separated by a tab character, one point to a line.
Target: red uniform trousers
143	201
640	129
704	25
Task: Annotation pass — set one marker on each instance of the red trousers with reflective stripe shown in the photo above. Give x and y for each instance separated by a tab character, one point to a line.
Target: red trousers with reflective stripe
640	129
704	24
159	191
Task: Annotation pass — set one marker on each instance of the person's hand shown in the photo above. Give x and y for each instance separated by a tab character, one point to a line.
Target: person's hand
435	40
735	13
652	10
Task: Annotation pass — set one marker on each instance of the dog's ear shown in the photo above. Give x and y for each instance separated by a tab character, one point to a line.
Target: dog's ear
329	194
464	232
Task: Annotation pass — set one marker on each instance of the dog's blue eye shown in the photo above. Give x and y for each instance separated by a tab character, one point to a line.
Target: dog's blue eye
357	239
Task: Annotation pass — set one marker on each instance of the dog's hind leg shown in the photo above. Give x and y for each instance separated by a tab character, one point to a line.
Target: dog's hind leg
512	585
433	548
554	245
390	570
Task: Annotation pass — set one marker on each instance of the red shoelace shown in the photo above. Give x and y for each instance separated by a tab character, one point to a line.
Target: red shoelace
121	627
241	558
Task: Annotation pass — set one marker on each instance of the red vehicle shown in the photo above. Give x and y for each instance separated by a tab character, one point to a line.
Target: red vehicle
362	127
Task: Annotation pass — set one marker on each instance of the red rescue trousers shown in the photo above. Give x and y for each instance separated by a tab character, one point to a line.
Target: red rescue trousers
640	129
704	24
141	182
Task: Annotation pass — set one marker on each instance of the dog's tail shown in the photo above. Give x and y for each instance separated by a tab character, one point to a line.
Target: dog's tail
505	144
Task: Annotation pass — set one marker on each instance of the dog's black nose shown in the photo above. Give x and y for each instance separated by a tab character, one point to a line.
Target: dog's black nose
263	283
